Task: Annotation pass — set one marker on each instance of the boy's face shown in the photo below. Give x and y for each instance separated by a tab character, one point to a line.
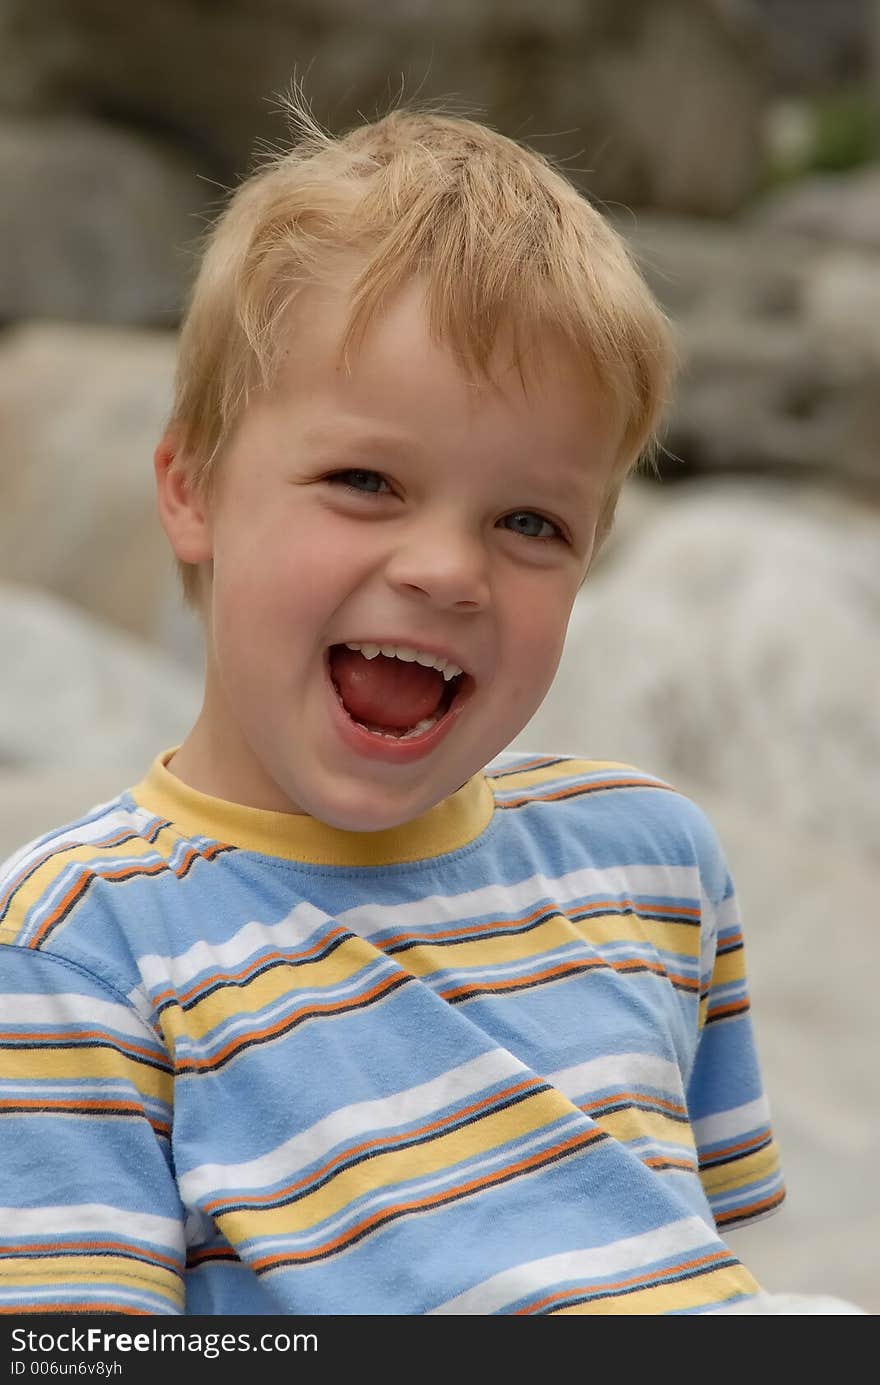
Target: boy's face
395	505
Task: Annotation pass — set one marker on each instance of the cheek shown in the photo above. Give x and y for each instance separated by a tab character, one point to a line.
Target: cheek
535	637
539	621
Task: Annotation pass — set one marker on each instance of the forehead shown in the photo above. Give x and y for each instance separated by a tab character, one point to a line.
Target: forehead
400	385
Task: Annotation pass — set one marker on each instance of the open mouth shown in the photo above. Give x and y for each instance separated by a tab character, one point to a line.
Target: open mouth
381	698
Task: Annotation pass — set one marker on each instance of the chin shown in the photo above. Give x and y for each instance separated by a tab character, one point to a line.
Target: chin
368	817
368	821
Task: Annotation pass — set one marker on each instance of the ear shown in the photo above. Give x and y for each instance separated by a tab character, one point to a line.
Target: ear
183	511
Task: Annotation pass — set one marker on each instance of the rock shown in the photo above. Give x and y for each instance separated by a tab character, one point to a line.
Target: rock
814	1018
80	696
98	224
843	208
733	650
780	339
583	79
81	410
812	44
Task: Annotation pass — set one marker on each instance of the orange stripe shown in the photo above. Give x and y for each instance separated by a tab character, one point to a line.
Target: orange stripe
734	1149
72	1108
736	1007
90	1307
376	1144
522	920
127	873
235	1045
632	1282
123	834
657	1161
233	976
92	1248
585	788
200	1257
564	969
631	1098
751	1208
54	1040
580	1140
66	1105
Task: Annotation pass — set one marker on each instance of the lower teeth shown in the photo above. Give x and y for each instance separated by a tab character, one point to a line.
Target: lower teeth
417	730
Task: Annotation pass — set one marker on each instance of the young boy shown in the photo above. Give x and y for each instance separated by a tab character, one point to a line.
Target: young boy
342	1009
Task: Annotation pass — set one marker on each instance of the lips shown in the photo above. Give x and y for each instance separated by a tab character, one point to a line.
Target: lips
392	749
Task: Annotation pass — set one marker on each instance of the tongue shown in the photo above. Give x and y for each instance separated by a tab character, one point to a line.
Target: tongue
386	692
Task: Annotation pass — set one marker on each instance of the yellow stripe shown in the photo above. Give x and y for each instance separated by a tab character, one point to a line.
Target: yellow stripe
713	1287
426	959
568	769
44	877
85	1270
41	1065
672	937
633	1124
343	963
729	968
750	1169
399	1166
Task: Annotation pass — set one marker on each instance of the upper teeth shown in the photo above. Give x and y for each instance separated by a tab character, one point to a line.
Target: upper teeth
408	655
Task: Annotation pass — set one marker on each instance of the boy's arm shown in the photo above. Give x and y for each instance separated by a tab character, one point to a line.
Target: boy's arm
90	1217
730	1114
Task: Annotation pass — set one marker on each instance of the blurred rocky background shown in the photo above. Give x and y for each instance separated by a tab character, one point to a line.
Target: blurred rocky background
728	637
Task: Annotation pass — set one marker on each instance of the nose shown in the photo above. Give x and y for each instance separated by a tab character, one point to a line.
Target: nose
444	563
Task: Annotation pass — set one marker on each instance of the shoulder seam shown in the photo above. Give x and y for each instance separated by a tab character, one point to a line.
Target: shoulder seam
95	977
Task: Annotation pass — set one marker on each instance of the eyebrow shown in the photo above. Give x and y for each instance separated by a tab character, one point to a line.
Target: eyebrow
334	438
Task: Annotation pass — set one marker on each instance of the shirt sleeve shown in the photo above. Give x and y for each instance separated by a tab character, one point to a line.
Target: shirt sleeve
730	1114
90	1216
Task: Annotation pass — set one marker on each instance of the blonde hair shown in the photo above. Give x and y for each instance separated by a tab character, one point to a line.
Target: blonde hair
499	236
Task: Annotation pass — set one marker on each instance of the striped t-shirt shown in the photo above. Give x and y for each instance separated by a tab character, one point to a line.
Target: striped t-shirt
496	1061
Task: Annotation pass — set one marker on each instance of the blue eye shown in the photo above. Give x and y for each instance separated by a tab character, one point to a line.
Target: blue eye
341	477
531	517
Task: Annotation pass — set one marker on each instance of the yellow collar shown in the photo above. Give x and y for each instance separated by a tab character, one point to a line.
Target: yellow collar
450	824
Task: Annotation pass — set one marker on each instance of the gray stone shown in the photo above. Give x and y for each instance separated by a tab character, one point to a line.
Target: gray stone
780	340
81	410
584	80
80	695
98	224
734	649
840	207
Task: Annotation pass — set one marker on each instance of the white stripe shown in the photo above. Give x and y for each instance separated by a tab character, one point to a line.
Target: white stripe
726	1124
296	928
448	1177
99	1086
573	776
619	1069
570	950
188	1044
93	1216
73	834
723	1202
498	901
80	1294
355	1120
537	1276
69	1008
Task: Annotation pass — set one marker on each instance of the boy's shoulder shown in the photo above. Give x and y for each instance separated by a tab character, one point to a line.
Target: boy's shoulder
42	880
569	778
534	767
631	810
